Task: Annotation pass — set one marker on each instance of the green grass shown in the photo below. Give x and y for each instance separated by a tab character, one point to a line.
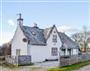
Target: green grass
29	64
11	66
7	65
71	67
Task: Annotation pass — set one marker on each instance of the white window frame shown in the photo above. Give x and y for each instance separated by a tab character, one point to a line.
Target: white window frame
54	51
17	52
54	39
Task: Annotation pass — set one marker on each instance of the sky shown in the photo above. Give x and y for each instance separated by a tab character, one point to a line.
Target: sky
69	16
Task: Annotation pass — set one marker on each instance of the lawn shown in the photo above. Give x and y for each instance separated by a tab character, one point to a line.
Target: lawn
71	67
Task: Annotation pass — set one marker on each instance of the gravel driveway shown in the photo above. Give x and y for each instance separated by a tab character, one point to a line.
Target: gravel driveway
23	68
40	67
48	64
37	67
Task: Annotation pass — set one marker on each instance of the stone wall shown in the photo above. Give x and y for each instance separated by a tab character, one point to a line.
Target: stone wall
18	60
24	59
74	59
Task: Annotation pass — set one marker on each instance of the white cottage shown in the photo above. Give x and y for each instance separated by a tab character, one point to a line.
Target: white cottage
41	44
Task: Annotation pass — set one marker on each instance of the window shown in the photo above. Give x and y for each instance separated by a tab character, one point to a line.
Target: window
17	52
54	38
54	51
54	31
69	50
24	40
63	50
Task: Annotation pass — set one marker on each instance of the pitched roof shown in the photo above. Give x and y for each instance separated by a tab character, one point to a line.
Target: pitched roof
34	34
49	31
67	42
39	36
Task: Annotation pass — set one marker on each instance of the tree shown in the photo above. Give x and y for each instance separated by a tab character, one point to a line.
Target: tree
81	38
6	49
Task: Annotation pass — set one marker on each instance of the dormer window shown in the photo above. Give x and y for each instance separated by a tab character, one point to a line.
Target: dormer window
24	40
54	39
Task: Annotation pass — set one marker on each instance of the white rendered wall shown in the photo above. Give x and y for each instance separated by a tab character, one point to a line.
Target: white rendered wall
51	44
17	43
38	53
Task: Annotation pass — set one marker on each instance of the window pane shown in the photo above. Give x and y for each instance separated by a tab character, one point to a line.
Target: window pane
54	52
17	51
54	38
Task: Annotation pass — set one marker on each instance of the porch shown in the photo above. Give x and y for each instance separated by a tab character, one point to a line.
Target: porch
69	51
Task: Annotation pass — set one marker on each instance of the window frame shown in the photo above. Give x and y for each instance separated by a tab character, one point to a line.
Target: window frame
54	39
24	40
54	51
18	52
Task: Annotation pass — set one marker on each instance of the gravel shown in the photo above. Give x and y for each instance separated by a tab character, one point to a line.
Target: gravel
37	67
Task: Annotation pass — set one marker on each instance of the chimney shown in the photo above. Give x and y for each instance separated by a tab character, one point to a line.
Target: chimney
20	20
35	25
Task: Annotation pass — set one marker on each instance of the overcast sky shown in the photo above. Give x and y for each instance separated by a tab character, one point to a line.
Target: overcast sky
68	15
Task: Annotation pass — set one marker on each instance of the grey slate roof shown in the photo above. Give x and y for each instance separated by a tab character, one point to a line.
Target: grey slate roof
39	36
67	42
35	35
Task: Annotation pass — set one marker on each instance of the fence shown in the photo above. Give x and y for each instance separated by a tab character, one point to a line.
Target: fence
64	61
18	60
74	59
11	59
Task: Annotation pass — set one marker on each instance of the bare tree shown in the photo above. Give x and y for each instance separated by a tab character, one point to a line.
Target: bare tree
6	49
81	38
85	38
